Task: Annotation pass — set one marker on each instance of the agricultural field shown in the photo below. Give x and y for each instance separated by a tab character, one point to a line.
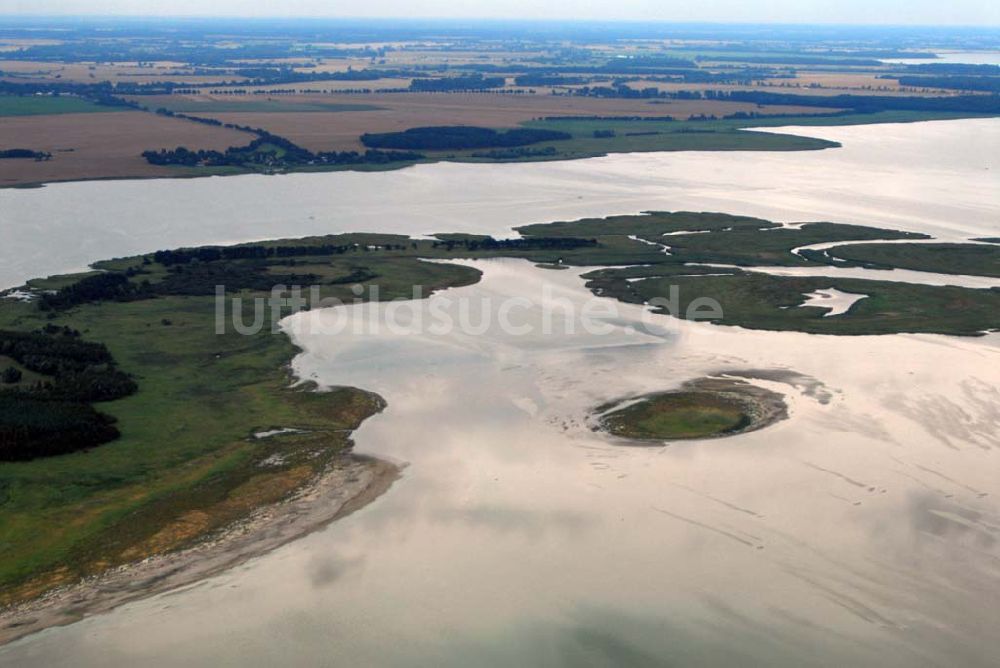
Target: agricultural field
19	105
104	145
340	128
319	92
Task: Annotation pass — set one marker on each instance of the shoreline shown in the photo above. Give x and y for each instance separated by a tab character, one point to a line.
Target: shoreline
348	484
804	121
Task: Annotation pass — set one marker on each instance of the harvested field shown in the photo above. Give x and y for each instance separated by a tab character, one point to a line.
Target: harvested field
192	105
340	131
35	71
107	145
389	83
848	80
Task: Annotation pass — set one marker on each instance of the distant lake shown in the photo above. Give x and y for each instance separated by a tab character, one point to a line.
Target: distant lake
953	57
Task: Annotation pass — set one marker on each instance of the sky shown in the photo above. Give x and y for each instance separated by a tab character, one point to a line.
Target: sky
897	12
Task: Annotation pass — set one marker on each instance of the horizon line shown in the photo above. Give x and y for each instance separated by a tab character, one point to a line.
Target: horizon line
497	19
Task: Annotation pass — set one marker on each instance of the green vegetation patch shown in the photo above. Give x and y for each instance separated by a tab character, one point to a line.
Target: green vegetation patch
703	408
39	105
708	237
968	259
593	137
761	301
757	300
678	415
746	246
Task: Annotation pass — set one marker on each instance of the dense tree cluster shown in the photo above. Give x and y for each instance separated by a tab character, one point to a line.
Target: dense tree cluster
459	83
459	137
546	79
195	278
55	416
527	244
181	256
987	84
104	92
32	428
99	287
24	153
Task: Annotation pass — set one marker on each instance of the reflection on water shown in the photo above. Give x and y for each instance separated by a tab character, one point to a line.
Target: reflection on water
938	177
861	531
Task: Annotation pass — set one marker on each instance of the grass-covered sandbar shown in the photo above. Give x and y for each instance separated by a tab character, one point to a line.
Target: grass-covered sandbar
702	408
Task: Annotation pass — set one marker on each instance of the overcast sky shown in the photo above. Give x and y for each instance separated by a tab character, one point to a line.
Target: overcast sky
932	12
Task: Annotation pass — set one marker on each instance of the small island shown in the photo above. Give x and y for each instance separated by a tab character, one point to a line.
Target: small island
703	408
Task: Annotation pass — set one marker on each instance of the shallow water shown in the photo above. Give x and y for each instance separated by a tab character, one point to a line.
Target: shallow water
863	530
938	177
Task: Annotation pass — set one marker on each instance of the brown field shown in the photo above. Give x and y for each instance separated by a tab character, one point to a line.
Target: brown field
106	145
339	131
339	65
849	80
32	71
325	86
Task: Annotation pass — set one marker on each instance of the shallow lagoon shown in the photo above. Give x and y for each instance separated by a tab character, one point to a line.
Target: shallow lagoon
863	530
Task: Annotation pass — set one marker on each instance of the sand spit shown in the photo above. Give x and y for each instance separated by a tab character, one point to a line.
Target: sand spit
350	483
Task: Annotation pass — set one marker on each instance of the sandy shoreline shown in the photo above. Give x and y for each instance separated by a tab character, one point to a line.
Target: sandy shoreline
350	483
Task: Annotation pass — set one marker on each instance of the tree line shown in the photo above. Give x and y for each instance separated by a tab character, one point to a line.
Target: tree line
270	150
197	278
459	137
24	153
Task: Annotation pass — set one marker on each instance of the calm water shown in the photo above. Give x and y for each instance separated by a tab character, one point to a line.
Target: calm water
937	177
954	57
861	531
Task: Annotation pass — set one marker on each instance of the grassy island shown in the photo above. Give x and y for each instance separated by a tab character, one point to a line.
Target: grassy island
705	408
971	259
